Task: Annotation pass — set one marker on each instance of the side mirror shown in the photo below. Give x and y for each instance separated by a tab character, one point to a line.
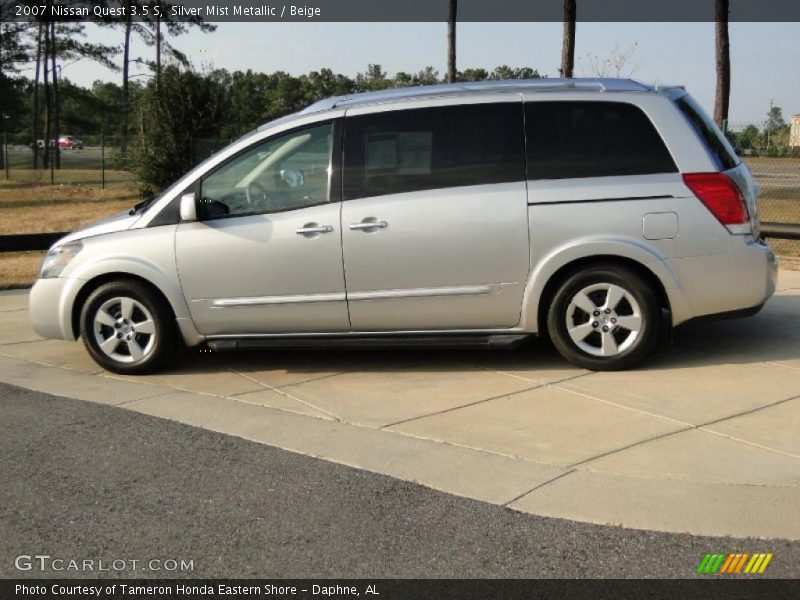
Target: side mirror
188	207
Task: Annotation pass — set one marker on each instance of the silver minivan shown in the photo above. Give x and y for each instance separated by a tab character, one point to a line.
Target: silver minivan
591	211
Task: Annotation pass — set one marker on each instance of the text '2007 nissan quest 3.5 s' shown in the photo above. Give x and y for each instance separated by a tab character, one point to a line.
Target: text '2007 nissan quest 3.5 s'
472	213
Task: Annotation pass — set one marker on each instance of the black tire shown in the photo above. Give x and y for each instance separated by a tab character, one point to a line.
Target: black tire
156	351
631	347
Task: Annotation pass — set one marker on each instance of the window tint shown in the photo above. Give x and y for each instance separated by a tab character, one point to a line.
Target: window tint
283	173
592	139
431	148
715	141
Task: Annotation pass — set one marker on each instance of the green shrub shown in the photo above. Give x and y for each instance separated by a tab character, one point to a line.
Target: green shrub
168	116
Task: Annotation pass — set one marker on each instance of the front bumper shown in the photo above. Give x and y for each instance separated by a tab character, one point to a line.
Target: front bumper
50	307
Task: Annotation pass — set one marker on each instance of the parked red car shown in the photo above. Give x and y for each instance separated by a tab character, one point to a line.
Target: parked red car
65	142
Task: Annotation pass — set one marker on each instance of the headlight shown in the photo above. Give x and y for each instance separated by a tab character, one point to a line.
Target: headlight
58	258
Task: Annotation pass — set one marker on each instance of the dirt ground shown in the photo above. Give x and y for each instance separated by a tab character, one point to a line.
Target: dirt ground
29	204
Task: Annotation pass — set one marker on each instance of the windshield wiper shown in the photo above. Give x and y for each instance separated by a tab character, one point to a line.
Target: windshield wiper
141	206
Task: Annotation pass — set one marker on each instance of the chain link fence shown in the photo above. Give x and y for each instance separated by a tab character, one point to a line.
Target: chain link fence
87	159
771	150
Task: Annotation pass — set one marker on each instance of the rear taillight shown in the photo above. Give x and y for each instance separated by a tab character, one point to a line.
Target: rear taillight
722	197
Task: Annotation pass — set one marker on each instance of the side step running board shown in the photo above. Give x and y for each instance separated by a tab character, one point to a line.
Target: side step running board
383	341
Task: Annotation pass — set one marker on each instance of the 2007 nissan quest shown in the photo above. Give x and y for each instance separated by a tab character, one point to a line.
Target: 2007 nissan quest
474	213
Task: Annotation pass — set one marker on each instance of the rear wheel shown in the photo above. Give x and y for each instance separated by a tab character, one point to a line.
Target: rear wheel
127	328
604	318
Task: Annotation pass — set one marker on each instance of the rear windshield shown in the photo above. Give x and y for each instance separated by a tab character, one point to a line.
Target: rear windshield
715	141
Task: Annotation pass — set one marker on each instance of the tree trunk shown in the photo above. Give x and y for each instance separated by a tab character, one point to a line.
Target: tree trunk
126	90
568	42
35	123
158	52
56	124
126	57
722	99
451	41
47	103
3	27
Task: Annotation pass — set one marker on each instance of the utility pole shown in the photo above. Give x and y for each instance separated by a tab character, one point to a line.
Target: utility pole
769	122
5	144
452	71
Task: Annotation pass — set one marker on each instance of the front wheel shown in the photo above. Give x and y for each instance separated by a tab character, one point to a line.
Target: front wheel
127	328
605	318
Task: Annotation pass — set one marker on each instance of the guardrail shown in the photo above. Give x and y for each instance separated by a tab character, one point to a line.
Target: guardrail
781	231
42	241
24	242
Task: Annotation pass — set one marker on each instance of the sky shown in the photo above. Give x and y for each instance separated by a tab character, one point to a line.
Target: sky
764	56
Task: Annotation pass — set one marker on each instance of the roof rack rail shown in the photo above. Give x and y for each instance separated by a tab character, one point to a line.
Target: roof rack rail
591	86
532	85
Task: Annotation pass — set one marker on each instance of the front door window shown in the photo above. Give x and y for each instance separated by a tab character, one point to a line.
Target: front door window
282	173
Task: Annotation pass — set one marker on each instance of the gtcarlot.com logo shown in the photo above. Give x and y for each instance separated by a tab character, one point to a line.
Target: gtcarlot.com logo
744	563
45	562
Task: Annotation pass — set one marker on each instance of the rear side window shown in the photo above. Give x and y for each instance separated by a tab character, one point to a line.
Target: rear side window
433	148
592	139
714	139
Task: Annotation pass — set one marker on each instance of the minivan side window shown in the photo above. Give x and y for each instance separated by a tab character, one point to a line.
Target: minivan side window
432	148
713	138
282	173
592	139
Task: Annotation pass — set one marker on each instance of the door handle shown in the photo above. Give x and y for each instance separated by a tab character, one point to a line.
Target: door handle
316	229
369	225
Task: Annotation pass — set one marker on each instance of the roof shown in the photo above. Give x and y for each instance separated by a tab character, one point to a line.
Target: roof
588	84
463	88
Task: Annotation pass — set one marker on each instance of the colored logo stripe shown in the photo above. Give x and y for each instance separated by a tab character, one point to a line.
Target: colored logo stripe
734	563
710	563
758	563
729	564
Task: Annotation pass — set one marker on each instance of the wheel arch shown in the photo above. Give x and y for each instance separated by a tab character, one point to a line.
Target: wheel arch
553	270
581	264
91	285
171	296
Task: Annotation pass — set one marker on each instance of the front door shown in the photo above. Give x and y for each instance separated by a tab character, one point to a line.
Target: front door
265	255
434	218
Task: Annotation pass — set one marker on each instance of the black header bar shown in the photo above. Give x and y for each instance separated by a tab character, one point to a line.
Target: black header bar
398	10
707	587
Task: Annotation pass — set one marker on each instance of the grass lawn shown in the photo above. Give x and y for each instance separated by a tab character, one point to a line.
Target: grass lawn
19	269
774	205
29	204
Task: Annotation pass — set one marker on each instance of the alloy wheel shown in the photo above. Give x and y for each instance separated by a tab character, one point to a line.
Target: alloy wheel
604	319
124	330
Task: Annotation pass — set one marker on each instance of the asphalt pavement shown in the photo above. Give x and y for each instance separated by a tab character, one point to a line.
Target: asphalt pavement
81	481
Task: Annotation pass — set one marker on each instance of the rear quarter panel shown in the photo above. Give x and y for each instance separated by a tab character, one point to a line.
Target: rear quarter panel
570	221
574	219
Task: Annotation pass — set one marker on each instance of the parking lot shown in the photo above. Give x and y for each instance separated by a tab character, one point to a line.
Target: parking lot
704	439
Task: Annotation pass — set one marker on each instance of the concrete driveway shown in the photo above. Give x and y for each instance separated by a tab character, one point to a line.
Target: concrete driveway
704	439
